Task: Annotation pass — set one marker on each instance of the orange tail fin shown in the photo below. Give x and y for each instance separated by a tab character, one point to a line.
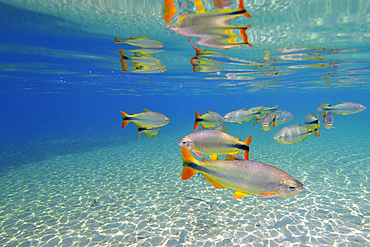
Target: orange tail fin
241	7
197	120
188	159
169	10
118	40
246	152
125	119
244	35
273	120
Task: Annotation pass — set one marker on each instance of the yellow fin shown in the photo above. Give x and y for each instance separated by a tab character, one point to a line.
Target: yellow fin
222	128
198	153
187	157
213	156
267	194
217	186
187	172
239	194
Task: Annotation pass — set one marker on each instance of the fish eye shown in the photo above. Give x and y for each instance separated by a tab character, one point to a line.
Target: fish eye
292	188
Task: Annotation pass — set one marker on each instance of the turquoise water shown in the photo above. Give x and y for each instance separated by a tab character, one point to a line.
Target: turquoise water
70	176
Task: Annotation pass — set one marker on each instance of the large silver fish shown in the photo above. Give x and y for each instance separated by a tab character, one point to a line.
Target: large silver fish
243	176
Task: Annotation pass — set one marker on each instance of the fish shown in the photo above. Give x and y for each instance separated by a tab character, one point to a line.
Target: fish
328	120
208	120
311	122
282	117
344	108
214	142
142	61
268	121
148	119
244	176
294	133
243	115
142	42
149	132
212	28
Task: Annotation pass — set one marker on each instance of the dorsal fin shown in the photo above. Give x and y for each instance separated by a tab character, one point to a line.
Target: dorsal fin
145	110
222	128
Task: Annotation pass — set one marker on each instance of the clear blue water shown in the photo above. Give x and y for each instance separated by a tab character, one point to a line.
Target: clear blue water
62	90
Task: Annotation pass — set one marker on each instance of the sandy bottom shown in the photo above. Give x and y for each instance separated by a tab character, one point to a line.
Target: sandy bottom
132	195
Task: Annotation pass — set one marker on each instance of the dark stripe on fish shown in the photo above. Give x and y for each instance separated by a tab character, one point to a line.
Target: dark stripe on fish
199	120
313	122
239	146
200	168
207	171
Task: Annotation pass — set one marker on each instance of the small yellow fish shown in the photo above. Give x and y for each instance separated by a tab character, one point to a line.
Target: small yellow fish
214	142
244	176
147	119
149	132
208	120
344	108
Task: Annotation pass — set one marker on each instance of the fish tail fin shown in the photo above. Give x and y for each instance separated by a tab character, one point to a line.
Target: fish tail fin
197	50
256	122
125	119
140	131
244	35
197	120
274	120
241	8
323	115
246	152
169	10
315	132
188	159
118	40
199	5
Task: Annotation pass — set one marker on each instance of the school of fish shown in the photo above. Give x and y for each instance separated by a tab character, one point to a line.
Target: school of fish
243	176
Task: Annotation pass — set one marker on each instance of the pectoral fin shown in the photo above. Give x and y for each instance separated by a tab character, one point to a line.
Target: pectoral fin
239	194
198	153
266	194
